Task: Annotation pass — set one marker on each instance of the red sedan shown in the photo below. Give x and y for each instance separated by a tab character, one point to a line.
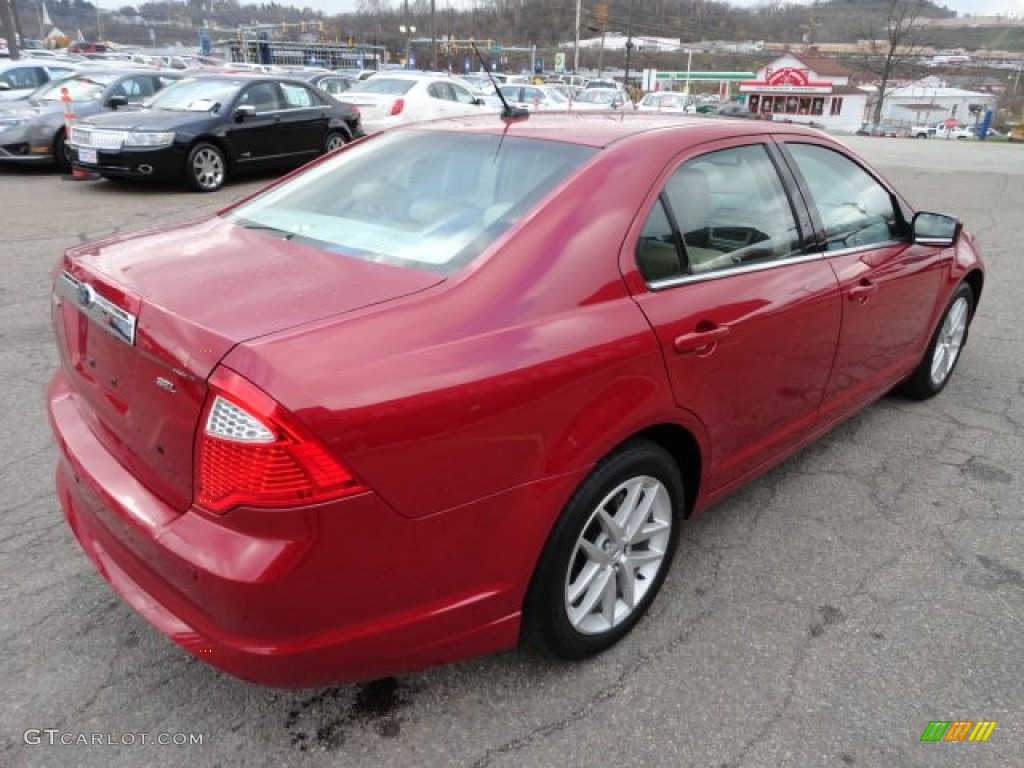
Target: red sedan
457	383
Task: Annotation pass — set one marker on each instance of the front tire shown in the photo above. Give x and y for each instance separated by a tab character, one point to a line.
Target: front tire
936	367
61	153
205	168
608	554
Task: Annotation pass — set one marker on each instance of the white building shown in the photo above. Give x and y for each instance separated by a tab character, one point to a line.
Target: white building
801	89
929	101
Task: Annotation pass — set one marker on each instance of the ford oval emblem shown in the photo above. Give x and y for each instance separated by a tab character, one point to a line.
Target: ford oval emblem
86	295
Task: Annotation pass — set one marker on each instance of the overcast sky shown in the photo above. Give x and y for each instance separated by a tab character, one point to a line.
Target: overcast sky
976	7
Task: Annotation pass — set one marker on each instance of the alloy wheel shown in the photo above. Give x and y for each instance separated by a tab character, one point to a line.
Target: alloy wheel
949	341
618	555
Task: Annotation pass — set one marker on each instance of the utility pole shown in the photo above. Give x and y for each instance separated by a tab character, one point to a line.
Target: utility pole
576	44
433	36
8	28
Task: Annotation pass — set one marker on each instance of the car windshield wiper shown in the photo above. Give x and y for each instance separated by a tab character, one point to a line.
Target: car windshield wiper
285	234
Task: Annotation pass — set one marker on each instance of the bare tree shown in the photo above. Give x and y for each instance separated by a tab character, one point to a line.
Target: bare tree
8	28
893	45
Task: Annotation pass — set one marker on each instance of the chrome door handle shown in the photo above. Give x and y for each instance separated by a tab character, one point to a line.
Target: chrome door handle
701	342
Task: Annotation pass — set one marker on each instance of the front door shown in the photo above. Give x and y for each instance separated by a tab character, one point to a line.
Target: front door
255	138
889	285
747	319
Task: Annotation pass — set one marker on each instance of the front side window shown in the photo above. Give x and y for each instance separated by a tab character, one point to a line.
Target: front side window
441	91
262	96
461	95
854	208
729	209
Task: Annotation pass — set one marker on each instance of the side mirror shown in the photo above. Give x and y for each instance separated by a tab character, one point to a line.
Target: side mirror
117	101
935	229
243	111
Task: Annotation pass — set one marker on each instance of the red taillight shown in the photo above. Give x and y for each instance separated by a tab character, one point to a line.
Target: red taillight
251	452
396	107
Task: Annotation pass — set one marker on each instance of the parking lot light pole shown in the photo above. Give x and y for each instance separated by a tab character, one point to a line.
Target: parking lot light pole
629	43
408	31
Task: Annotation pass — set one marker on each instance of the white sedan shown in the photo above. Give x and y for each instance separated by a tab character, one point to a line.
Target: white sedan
395	98
601	98
666	101
537	98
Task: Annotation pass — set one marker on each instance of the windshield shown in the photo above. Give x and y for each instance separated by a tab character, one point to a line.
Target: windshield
196	95
425	199
384	85
80	88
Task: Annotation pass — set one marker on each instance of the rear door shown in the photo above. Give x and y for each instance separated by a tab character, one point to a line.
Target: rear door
747	317
889	285
304	120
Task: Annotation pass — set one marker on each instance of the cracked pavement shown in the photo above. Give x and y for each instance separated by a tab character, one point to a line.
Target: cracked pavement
822	616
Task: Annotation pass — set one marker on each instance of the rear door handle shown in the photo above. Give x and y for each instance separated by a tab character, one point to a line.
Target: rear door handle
702	342
860	293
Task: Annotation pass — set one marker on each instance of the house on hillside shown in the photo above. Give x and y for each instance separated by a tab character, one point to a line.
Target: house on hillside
803	89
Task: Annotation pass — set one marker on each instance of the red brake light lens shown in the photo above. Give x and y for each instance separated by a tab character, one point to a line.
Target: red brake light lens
396	107
252	452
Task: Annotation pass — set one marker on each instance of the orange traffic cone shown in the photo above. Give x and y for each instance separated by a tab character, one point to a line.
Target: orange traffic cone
79	173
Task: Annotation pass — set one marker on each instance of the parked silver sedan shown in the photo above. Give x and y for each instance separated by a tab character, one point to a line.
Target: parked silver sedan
33	130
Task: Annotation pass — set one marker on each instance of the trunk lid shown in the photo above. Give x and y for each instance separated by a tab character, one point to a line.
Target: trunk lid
141	321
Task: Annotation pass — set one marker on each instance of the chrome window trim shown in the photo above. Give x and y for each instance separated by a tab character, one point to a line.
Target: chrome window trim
865	247
117	322
672	282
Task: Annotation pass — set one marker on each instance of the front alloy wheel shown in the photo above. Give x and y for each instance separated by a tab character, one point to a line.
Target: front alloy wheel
607	555
936	367
205	168
950	341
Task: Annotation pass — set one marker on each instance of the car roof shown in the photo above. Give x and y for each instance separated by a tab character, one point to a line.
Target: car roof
606	128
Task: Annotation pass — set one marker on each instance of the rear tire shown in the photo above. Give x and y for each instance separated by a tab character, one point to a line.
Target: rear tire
608	554
334	140
940	359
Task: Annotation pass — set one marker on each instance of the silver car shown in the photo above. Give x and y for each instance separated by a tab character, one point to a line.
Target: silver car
20	78
33	130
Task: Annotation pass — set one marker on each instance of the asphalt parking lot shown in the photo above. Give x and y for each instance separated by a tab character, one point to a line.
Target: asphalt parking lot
823	616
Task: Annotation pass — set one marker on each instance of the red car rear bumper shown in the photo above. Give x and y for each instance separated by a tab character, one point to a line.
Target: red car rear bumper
343	591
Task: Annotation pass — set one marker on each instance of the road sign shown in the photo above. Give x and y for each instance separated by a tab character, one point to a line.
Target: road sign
559	62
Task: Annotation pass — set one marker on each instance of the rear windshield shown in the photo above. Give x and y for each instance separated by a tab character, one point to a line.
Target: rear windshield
423	199
384	85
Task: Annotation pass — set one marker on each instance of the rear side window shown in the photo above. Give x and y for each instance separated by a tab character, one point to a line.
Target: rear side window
297	96
726	209
855	210
425	199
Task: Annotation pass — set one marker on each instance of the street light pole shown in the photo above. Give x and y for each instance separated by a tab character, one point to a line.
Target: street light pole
629	42
576	44
408	31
